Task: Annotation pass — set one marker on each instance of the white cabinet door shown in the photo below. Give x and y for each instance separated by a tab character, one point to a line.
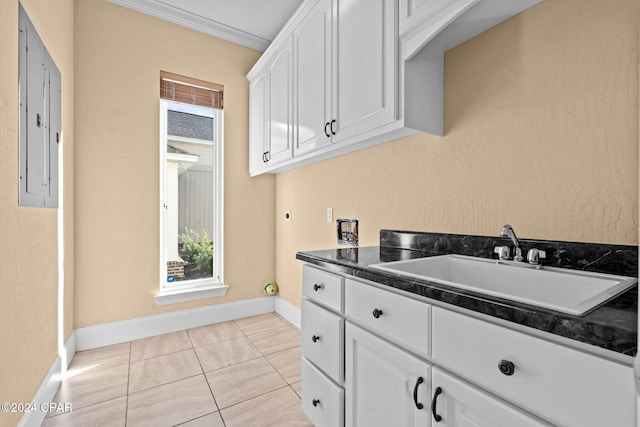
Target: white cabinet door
384	386
258	124
365	66
312	47
458	404
280	105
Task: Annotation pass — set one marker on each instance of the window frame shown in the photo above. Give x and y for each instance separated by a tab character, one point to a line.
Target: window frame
198	288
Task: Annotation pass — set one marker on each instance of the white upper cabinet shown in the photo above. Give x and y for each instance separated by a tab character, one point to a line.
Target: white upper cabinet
280	99
360	72
271	112
364	71
345	56
258	128
312	104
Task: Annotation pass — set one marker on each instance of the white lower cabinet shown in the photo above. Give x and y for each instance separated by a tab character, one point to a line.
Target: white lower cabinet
457	403
393	359
322	399
384	385
322	339
563	385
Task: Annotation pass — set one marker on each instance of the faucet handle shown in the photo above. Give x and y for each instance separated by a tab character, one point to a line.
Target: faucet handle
504	252
535	255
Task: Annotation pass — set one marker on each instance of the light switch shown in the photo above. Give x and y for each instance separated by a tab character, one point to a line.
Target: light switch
329	214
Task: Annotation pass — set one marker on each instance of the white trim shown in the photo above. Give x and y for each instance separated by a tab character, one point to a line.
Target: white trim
148	326
289	311
44	394
143	327
195	22
69	349
191	294
189	290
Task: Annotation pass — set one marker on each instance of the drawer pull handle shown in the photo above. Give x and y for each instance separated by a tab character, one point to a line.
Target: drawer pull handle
317	287
415	393
434	402
315	338
315	402
507	367
377	313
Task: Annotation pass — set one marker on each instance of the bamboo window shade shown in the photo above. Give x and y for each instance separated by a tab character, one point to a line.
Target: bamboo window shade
175	87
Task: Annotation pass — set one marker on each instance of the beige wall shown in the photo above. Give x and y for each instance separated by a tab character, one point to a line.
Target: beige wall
119	55
28	253
541	118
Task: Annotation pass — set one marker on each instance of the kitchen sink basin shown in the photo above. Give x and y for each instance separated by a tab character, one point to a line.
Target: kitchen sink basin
567	291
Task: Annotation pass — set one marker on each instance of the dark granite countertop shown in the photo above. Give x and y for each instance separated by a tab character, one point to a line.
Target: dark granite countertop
612	326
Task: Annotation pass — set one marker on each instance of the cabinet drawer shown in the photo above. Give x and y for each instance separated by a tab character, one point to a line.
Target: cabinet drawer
322	287
401	319
562	385
323	339
322	400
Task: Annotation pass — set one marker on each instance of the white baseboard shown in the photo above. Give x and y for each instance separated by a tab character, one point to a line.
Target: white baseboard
143	327
69	349
43	396
288	311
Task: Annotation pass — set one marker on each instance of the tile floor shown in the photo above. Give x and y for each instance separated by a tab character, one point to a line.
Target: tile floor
240	373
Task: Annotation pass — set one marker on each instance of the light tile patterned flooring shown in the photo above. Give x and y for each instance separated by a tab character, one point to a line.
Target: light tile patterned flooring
244	373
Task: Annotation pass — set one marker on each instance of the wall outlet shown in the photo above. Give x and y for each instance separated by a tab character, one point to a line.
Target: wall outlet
287	216
329	214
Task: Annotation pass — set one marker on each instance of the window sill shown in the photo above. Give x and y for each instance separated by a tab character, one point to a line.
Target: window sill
192	294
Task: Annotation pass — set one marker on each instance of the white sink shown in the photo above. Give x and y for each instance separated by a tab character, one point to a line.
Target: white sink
568	291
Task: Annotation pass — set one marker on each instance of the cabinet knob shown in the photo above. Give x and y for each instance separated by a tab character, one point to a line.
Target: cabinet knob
377	313
317	287
333	122
315	338
315	402
507	367
326	132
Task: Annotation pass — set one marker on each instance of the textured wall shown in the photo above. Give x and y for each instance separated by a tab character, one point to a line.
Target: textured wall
117	162
29	252
541	122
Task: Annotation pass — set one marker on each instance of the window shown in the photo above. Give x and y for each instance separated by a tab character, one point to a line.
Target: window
191	189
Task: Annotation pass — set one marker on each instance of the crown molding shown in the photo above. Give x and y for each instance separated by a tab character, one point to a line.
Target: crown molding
195	22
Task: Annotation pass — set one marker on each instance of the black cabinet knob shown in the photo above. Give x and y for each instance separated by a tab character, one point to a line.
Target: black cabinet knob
317	287
377	313
315	338
315	402
507	367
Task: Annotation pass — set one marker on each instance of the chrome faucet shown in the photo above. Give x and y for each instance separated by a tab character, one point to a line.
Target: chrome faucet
507	231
